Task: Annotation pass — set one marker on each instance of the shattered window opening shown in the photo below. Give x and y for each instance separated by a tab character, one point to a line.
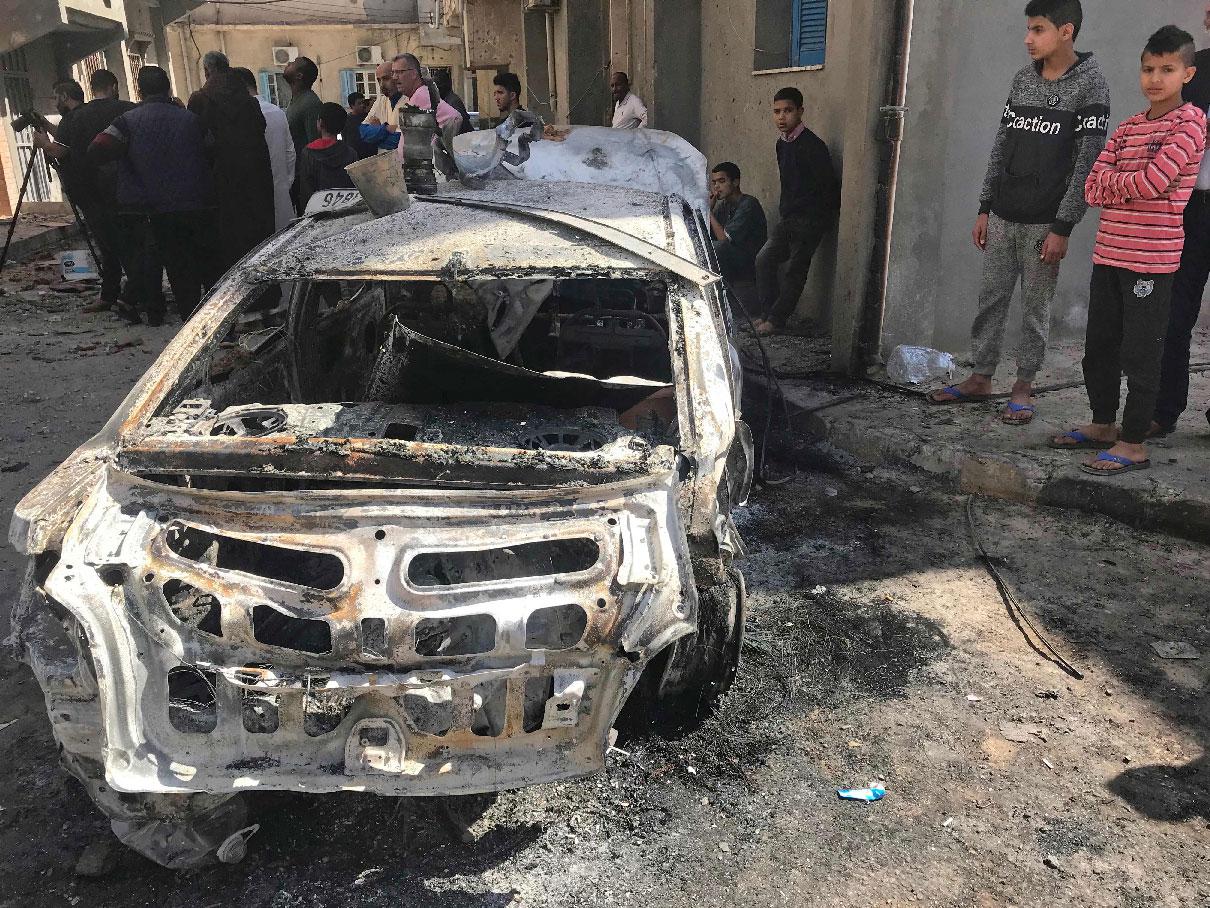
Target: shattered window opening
515	562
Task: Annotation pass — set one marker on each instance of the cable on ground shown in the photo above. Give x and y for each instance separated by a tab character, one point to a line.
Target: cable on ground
1038	642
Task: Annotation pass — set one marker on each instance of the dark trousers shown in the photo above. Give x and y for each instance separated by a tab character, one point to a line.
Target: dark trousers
1127	320
1187	290
179	242
103	226
793	240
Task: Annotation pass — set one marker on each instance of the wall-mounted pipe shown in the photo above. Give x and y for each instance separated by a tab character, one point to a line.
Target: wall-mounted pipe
894	112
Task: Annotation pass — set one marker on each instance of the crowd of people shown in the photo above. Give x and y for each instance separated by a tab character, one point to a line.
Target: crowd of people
188	188
1053	159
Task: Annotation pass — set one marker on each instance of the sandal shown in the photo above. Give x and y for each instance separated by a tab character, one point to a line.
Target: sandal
1125	465
1018	414
1082	442
956	397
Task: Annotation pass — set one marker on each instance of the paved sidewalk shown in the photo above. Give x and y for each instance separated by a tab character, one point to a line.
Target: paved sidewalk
969	446
37	233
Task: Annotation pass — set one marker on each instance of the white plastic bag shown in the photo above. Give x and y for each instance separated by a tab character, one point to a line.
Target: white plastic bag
913	365
77	265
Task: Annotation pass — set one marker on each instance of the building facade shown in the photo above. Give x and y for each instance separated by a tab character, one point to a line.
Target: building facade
346	45
43	41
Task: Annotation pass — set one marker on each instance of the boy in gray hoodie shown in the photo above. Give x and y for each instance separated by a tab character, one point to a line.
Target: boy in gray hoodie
1053	128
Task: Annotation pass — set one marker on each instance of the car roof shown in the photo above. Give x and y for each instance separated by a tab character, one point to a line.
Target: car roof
438	236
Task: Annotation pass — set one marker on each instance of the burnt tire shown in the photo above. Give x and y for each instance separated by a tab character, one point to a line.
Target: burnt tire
681	686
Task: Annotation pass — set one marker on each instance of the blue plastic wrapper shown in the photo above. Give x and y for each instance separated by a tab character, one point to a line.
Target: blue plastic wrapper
873	793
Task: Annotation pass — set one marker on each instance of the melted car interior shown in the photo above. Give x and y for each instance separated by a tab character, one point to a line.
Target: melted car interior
566	344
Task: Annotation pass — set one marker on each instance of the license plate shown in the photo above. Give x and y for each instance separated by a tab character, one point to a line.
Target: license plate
332	200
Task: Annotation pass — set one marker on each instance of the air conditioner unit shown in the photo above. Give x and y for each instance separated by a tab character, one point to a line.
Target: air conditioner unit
369	55
284	55
541	4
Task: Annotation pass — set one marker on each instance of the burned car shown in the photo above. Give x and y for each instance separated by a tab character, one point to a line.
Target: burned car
413	505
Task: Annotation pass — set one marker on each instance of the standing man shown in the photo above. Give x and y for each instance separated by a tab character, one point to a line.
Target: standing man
1053	128
1190	281
242	175
380	129
737	223
445	86
507	94
163	196
303	111
91	188
810	202
419	92
281	150
629	111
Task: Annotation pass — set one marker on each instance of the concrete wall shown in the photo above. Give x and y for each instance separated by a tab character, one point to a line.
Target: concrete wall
330	46
841	107
956	94
676	101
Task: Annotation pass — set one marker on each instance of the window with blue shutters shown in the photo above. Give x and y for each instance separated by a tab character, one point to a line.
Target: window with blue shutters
809	32
790	34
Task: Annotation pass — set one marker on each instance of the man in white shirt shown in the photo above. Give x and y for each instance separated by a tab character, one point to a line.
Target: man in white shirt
629	111
1190	282
383	111
281	151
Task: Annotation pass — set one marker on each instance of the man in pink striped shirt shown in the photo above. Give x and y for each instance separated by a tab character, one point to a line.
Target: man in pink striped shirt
1142	182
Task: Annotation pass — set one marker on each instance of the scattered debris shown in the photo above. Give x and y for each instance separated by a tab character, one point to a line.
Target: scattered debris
4	725
98	858
1052	862
876	791
949	821
831	492
1048	764
13	466
724	847
973	698
1047	694
1176	649
1022	732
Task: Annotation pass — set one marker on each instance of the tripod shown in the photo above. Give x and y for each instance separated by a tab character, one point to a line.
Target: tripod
29	172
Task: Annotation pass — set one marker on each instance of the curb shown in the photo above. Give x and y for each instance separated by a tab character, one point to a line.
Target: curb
26	248
1138	499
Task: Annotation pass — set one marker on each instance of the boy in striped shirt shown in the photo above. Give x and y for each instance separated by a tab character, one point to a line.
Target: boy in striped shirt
1142	182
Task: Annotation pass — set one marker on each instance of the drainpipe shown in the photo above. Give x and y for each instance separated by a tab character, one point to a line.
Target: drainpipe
550	63
893	114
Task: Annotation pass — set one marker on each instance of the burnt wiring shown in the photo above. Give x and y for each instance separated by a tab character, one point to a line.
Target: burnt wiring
1037	642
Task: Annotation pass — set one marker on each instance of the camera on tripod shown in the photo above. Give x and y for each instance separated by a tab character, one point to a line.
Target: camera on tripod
28	118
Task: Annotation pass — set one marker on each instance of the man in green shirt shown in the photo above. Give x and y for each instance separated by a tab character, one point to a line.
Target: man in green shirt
303	112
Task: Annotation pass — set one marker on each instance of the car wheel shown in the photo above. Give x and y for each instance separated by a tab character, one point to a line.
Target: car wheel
680	687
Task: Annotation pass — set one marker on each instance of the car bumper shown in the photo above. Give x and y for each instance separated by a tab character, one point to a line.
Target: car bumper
426	687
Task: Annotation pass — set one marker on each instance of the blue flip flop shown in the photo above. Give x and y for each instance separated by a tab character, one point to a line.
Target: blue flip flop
958	397
1125	465
1029	409
1082	442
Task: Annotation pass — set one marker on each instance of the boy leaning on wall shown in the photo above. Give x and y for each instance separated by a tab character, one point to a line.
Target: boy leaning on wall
1142	182
1053	127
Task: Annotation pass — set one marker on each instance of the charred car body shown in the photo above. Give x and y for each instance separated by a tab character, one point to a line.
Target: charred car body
412	505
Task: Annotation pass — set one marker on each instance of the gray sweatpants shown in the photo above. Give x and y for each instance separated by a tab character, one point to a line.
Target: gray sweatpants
1013	254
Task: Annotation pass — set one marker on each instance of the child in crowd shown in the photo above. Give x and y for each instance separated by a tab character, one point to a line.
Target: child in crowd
1053	128
1142	182
323	162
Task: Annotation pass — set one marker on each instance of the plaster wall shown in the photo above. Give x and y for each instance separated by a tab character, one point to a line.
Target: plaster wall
841	101
964	55
332	47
